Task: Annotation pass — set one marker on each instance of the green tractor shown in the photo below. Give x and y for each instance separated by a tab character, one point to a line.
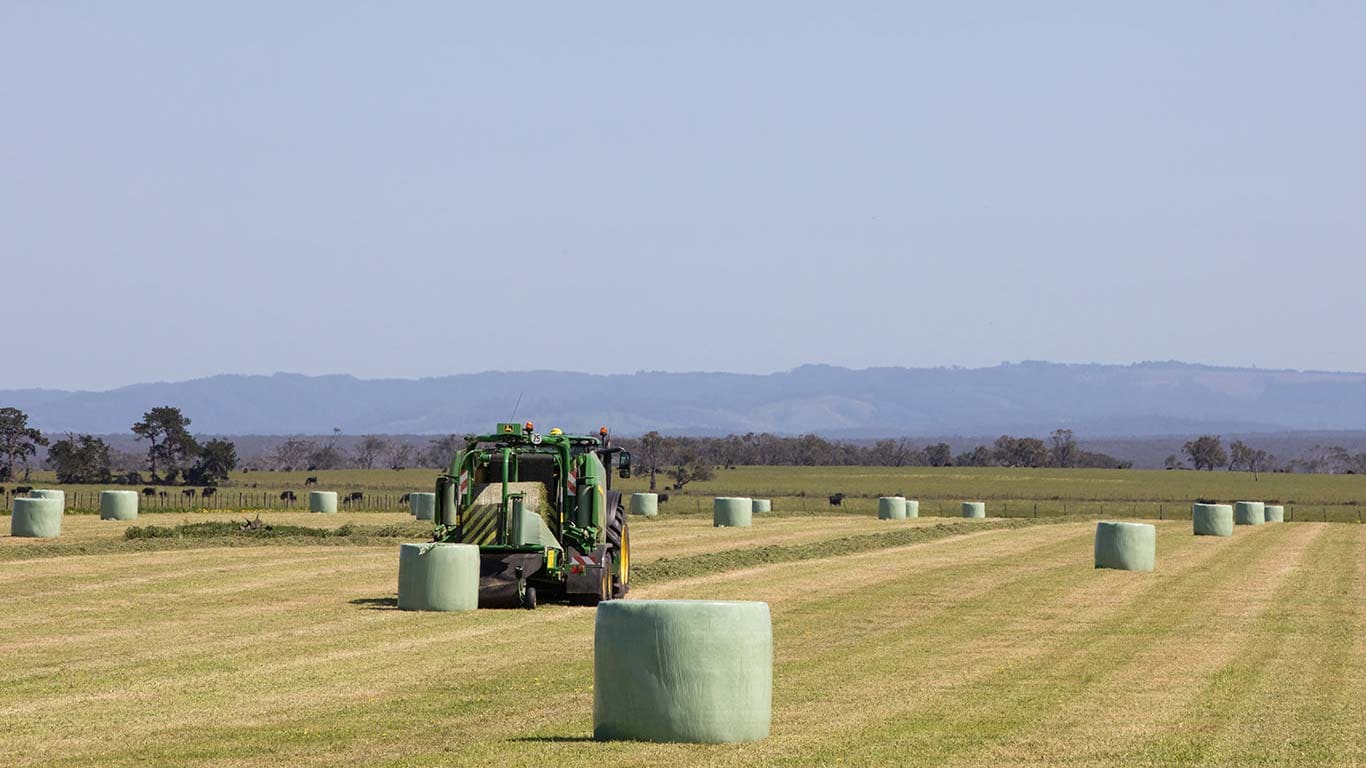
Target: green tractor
542	511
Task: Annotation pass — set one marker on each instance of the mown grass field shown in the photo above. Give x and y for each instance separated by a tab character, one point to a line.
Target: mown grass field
928	642
804	490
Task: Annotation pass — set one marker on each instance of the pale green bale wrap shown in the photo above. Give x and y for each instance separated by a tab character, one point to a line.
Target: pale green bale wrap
45	493
912	508
645	504
422	505
438	577
732	512
322	501
1212	519
696	671
36	518
891	508
118	505
974	509
529	528
763	505
1126	546
1249	513
1275	513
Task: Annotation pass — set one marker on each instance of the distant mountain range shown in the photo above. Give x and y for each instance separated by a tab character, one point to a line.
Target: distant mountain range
1140	400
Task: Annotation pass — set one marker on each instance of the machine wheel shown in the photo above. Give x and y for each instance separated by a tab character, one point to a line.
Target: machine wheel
529	599
619	547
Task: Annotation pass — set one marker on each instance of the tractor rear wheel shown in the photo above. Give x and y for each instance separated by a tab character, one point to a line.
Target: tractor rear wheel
619	547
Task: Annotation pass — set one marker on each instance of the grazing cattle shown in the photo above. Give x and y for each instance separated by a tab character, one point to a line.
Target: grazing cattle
149	492
311	481
399	469
837	500
188	493
663	497
208	492
288	496
2	490
20	490
353	496
405	498
161	494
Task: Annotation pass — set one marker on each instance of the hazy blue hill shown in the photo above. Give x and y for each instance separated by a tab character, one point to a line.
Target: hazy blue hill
1147	399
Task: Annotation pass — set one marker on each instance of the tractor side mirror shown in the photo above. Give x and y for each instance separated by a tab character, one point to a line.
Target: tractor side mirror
624	464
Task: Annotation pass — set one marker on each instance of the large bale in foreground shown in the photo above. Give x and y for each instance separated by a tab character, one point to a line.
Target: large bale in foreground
322	501
645	504
422	505
732	512
45	493
1275	513
438	577
912	508
36	518
1126	546
118	505
974	509
1249	513
697	671
891	508
1212	519
762	505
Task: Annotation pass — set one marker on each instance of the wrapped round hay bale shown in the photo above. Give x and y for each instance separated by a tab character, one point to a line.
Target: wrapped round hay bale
1249	513
438	577
912	508
1126	546
1275	513
118	505
732	512
422	505
645	504
1212	519
891	508
763	505
45	493
36	518
974	509
322	501
695	671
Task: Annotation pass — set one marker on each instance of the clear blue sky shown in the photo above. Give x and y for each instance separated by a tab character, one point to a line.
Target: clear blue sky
421	189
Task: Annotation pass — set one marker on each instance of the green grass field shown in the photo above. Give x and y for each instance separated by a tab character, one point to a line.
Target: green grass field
927	642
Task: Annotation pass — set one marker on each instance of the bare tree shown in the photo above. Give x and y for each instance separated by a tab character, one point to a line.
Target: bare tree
369	449
399	455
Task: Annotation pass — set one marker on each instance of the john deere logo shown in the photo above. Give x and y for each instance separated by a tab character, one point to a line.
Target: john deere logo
507	429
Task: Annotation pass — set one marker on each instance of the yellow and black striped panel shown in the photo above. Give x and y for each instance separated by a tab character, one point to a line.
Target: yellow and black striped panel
479	524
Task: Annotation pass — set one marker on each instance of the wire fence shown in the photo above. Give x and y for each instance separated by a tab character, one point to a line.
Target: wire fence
171	499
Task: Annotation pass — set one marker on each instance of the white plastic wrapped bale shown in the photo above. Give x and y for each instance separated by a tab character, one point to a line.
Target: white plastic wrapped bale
1126	546
1249	513
1275	513
322	501
1212	519
36	518
45	493
422	505
891	508
438	577
974	509
118	505
645	504
694	671
732	512
762	505
912	508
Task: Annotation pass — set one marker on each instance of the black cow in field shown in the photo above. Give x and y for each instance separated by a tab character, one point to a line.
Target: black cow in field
149	492
288	496
405	498
208	492
311	481
837	500
398	469
20	490
188	493
353	496
663	497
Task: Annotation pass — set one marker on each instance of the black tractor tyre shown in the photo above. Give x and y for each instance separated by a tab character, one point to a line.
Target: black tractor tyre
529	599
619	547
